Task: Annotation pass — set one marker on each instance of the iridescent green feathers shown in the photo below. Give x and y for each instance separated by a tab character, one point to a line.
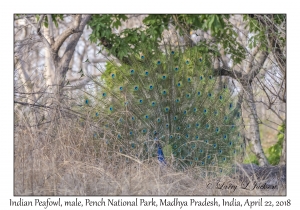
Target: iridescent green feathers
177	95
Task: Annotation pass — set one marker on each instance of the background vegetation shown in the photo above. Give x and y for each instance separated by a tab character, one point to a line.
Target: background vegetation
57	57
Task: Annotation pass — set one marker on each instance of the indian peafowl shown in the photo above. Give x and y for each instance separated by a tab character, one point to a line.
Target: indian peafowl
169	100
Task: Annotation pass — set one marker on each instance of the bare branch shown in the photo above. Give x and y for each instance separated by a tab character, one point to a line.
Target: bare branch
81	83
73	41
38	29
60	40
260	58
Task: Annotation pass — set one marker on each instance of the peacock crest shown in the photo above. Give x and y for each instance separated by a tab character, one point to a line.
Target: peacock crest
169	100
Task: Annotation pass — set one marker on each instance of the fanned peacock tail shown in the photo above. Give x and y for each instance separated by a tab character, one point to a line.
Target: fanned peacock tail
172	97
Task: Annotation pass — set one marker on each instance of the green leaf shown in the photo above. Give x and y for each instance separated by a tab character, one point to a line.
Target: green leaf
250	45
211	22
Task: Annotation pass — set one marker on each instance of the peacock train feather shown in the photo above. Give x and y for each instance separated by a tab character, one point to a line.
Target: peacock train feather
169	101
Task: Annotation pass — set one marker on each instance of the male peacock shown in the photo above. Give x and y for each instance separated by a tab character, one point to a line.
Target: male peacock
169	100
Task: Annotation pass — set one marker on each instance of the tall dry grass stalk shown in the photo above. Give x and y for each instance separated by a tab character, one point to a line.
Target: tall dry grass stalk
62	158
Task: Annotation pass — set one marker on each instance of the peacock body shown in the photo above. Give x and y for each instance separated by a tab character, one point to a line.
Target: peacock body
169	101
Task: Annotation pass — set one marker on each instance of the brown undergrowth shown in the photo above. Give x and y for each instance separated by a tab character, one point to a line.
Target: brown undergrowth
62	158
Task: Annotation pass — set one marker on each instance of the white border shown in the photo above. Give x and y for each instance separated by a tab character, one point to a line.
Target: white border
153	6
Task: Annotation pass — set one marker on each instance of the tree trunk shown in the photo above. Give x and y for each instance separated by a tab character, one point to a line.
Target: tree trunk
56	66
50	70
254	127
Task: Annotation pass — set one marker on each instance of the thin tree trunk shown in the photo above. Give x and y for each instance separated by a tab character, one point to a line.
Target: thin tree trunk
49	66
254	127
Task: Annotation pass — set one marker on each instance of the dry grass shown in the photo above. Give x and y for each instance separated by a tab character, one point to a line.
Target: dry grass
62	158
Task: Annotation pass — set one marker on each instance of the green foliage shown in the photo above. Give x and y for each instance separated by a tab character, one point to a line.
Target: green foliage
258	33
261	31
128	41
251	158
274	152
